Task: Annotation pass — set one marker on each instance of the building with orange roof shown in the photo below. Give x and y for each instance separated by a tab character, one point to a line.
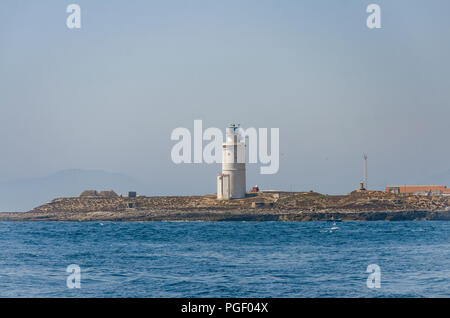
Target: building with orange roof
419	189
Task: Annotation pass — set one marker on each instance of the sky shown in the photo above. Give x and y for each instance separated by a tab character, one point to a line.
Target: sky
107	96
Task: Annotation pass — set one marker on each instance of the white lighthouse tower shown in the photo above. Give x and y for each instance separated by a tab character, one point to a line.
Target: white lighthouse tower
231	182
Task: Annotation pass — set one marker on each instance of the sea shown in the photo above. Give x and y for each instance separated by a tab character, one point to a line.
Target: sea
225	259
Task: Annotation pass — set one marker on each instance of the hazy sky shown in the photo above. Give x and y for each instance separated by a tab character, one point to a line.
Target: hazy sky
108	96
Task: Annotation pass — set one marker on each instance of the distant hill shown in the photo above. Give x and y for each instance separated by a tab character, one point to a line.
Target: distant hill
23	195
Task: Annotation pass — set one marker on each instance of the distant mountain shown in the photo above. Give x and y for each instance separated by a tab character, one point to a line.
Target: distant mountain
23	195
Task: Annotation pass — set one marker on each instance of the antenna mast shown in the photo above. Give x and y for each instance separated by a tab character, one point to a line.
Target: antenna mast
365	170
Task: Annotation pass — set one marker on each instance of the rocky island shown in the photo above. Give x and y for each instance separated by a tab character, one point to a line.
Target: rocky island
261	206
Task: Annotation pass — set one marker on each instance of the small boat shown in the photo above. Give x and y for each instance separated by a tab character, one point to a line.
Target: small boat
335	220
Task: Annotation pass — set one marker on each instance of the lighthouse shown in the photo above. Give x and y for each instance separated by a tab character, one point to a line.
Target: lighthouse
231	182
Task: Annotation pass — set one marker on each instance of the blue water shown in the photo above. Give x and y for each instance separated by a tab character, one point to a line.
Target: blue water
228	259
